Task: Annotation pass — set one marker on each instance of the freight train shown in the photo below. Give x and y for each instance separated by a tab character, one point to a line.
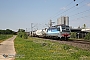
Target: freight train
59	31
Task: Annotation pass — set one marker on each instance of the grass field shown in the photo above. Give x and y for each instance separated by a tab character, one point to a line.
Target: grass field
3	37
41	49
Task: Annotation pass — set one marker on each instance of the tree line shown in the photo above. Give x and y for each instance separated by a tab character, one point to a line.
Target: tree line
7	31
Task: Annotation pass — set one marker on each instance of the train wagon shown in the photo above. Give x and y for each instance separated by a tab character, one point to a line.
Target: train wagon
41	33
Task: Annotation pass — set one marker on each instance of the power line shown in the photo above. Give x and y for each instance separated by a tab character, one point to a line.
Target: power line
81	12
69	8
81	2
60	10
58	13
77	8
82	17
64	11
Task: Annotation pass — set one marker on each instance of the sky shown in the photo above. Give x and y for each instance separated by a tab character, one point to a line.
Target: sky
19	14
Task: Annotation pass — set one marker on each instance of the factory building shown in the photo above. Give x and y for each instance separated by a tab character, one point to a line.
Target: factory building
63	20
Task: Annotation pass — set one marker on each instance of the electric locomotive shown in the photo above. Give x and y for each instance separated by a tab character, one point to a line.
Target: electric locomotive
59	31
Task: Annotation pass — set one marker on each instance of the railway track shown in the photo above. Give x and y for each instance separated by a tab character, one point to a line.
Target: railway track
80	41
76	43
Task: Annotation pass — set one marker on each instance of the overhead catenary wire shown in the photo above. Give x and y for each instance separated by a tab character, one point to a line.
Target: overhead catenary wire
77	4
77	8
64	12
70	3
60	10
81	1
69	8
80	13
82	17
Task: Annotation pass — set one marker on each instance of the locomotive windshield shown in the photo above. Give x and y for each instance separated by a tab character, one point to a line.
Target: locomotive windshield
54	29
65	29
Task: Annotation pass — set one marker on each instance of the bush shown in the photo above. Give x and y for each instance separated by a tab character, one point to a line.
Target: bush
73	34
87	37
22	34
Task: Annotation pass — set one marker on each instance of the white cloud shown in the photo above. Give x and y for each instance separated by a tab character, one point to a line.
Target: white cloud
88	4
63	8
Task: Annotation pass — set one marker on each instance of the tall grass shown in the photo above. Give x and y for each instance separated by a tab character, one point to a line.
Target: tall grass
40	49
3	37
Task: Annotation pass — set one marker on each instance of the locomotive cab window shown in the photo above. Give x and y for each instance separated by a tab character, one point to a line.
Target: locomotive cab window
65	29
58	29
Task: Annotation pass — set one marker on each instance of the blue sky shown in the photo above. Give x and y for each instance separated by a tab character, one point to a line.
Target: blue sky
15	14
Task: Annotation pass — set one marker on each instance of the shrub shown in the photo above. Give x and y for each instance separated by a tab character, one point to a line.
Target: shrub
22	34
73	34
87	37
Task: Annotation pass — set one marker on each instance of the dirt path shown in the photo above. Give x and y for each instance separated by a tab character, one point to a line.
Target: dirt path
7	51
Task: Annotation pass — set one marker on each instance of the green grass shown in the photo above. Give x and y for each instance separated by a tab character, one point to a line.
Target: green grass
3	37
41	49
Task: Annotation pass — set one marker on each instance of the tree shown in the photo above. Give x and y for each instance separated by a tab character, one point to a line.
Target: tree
84	26
7	31
79	27
21	30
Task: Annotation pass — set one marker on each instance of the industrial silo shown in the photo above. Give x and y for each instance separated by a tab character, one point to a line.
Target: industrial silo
59	21
66	20
63	20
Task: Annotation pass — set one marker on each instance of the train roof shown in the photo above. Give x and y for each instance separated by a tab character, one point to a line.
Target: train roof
56	26
60	25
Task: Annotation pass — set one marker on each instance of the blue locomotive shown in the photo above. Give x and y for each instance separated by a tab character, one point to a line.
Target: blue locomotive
58	31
